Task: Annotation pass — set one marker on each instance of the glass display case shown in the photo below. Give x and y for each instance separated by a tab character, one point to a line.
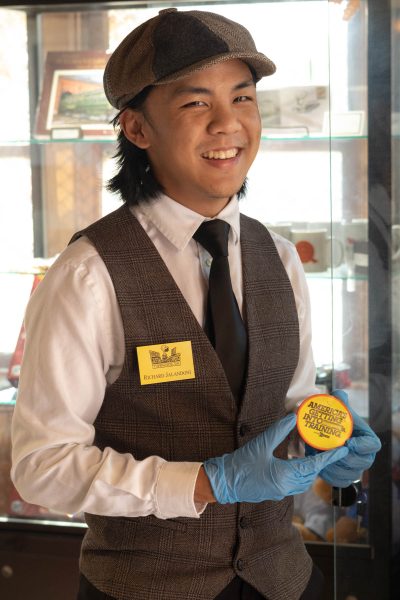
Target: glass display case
325	177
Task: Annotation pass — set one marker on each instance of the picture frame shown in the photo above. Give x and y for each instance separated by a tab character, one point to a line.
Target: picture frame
351	123
72	103
297	110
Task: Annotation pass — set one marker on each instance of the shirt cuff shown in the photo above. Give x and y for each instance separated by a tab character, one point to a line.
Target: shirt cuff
175	490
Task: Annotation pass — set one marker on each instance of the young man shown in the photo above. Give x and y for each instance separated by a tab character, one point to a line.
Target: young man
169	343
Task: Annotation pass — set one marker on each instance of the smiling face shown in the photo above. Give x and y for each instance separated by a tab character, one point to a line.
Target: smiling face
201	134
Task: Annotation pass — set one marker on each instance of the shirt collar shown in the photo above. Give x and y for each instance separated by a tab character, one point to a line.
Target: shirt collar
178	223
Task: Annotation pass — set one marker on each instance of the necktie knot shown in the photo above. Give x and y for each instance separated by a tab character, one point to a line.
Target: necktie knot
213	236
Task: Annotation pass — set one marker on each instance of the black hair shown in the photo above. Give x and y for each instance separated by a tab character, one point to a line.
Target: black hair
135	181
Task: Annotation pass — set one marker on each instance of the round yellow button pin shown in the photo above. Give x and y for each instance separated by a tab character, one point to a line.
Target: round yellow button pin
324	422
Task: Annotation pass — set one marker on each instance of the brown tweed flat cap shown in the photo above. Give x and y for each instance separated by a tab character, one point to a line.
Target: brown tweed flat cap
174	44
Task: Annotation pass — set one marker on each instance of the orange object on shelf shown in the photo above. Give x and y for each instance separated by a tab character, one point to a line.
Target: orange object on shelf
14	367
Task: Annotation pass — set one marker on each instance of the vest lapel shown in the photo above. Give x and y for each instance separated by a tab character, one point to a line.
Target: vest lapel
272	322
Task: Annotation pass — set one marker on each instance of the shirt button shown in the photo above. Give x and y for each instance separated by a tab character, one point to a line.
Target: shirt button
240	565
208	262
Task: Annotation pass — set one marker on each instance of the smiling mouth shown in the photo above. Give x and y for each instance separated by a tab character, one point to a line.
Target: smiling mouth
221	154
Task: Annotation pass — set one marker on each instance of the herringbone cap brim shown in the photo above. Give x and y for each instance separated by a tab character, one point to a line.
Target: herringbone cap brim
174	44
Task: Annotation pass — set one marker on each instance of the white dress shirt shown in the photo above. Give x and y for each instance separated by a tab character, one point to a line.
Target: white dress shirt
75	348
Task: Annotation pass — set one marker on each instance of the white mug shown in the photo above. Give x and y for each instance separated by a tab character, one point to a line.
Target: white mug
314	249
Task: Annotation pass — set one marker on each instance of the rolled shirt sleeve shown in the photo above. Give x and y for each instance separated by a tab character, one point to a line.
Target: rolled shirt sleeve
73	350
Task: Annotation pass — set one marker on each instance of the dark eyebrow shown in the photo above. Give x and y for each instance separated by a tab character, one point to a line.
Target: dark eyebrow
245	84
206	91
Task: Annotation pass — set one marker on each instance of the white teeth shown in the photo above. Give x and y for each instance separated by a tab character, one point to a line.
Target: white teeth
221	154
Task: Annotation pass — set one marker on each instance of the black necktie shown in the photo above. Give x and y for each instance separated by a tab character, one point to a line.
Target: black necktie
224	325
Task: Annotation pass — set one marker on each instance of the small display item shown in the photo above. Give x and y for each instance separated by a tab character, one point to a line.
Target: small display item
324	422
14	368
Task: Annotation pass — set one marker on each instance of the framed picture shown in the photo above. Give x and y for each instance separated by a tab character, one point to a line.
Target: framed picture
72	103
304	106
270	108
294	110
350	123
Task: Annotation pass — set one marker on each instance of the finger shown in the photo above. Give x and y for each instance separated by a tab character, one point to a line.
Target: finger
310	451
360	427
301	488
360	462
341	482
341	395
280	430
323	459
339	476
295	475
358	422
312	465
364	444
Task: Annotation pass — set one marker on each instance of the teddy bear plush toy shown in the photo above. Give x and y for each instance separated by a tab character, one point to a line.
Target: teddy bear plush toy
314	517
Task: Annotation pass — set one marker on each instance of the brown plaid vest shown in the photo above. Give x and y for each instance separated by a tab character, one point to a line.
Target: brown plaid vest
147	558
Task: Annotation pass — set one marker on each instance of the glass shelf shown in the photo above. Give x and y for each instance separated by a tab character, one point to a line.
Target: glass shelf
318	137
40	142
337	275
267	137
8	396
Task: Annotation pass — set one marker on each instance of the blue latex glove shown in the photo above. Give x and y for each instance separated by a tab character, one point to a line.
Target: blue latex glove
363	446
252	474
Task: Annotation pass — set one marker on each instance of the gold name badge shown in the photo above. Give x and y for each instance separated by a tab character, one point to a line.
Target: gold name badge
165	362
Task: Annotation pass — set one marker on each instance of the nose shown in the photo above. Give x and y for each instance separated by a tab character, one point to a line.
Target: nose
223	120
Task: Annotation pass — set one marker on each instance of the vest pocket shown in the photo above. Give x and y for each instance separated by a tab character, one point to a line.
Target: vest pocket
153	521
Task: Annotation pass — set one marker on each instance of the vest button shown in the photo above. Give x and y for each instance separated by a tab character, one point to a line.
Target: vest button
240	565
243	522
243	429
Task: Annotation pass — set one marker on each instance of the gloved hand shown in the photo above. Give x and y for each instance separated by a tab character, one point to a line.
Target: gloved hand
252	474
363	446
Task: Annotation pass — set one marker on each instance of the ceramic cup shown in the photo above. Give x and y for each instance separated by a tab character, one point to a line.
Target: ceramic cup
314	249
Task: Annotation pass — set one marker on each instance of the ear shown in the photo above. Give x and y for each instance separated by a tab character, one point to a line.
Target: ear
132	124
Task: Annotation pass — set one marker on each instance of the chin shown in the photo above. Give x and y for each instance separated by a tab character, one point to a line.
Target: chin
226	192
